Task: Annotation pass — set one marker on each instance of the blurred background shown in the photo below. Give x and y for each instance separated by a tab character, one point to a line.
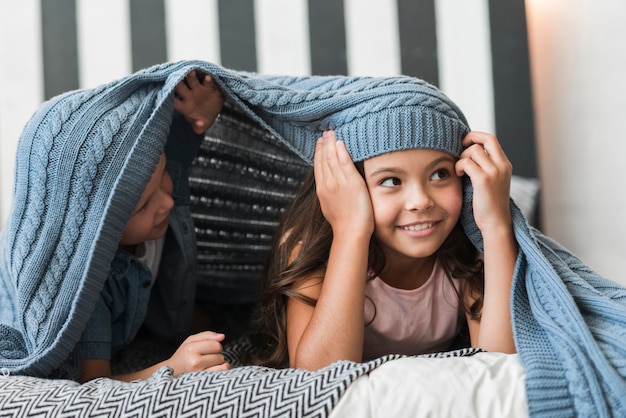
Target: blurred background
546	76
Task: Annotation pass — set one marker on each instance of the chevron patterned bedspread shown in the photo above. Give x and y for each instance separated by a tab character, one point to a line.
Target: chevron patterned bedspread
246	391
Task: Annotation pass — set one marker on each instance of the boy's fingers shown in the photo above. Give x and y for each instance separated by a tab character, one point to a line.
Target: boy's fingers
217	336
192	80
204	348
218	368
206	335
181	90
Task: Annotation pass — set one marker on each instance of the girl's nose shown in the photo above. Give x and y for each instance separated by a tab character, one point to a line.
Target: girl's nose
418	199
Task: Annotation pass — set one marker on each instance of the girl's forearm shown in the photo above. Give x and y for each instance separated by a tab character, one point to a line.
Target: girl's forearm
500	255
335	330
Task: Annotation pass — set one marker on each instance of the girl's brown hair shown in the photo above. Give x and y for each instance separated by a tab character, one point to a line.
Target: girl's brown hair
303	225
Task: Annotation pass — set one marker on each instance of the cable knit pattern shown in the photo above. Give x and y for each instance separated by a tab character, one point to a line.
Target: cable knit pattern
85	157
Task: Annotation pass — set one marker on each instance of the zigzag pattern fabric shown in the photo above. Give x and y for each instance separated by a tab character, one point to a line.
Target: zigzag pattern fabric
243	392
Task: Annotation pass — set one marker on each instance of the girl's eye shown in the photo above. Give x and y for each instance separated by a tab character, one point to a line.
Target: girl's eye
390	182
441	174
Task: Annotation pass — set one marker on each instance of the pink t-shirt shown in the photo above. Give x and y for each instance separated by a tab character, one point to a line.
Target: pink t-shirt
415	321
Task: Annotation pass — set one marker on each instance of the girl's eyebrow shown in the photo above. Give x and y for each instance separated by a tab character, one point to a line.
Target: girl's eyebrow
442	159
385	170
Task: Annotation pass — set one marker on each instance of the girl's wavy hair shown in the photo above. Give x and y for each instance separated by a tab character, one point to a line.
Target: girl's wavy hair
304	225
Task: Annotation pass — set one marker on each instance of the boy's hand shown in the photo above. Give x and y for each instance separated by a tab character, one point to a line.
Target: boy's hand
199	352
200	102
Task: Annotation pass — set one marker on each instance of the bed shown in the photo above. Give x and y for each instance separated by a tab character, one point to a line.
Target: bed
239	182
473	384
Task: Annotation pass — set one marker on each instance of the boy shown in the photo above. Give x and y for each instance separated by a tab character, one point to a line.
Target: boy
123	303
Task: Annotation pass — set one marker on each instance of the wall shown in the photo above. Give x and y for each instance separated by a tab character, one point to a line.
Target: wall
578	61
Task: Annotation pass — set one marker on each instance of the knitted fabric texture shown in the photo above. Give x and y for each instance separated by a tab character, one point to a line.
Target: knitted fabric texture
85	157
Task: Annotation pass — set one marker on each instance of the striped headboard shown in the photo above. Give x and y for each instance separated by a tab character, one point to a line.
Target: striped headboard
474	50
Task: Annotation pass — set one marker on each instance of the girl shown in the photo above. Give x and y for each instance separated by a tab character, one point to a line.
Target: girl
372	260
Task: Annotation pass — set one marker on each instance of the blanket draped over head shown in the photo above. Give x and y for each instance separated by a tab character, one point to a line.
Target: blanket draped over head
85	157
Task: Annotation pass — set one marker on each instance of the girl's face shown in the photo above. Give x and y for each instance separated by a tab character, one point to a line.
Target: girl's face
416	197
151	216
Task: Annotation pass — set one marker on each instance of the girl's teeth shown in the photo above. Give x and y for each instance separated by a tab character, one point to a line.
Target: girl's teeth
418	227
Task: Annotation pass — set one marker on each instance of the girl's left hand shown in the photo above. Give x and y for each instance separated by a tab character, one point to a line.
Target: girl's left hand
489	169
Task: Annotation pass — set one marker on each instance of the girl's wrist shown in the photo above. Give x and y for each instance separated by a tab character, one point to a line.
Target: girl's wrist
352	234
498	234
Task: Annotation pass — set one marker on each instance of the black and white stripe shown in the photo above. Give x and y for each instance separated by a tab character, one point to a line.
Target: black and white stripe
476	51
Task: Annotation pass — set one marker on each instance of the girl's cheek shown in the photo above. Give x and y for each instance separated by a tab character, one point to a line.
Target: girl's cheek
458	204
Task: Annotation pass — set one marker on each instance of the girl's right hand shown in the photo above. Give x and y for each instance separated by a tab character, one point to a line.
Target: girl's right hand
342	192
332	329
199	352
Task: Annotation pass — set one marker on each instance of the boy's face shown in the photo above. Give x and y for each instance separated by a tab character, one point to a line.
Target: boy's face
151	216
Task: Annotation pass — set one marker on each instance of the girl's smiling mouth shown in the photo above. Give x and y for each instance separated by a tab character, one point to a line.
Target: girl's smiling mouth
418	227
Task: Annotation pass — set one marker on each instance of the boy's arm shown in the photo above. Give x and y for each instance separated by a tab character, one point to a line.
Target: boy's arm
197	105
172	297
199	352
182	142
95	367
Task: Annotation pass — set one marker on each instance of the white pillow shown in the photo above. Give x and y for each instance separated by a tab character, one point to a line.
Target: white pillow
481	385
